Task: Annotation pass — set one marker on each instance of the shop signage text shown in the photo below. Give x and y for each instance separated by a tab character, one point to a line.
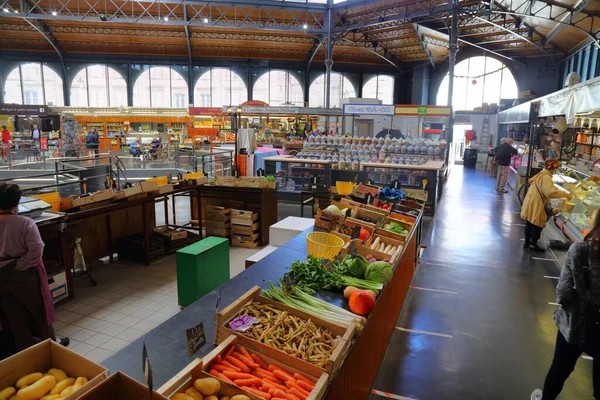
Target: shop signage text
17	109
369	109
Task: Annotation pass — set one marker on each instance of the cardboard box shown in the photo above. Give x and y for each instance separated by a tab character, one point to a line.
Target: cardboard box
58	287
49	354
107	194
244	230
131	191
121	387
171	234
149	186
165	189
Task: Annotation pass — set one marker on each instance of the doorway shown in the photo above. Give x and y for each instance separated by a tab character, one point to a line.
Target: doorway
458	142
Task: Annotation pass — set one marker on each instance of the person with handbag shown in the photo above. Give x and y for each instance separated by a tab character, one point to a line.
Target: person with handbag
536	208
578	318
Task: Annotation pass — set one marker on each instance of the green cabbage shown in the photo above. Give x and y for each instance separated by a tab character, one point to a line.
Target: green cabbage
353	265
379	271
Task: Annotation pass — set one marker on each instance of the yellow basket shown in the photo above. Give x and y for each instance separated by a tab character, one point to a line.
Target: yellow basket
323	245
160	180
344	188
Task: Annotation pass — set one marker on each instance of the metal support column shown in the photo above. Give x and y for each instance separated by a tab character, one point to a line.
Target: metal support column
453	50
190	74
328	52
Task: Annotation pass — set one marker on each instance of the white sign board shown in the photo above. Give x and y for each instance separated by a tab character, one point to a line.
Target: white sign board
369	109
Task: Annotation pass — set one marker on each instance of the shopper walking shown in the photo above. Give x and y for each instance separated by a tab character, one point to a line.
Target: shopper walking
504	153
91	141
541	190
26	308
5	142
578	293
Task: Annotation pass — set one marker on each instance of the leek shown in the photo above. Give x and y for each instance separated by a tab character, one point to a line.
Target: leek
313	306
362	283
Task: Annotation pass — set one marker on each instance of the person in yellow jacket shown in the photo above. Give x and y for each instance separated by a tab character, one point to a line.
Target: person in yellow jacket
541	190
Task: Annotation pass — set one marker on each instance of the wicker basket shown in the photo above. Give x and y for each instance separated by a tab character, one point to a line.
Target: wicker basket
323	245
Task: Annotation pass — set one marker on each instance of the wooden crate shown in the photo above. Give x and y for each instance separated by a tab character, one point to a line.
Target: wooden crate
327	220
351	223
170	233
374	217
210	223
407	219
225	181
195	370
241	241
339	352
216	213
184	379
387	241
245	230
218	232
363	251
243	217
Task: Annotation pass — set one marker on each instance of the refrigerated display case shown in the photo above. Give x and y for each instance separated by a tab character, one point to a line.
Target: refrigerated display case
577	214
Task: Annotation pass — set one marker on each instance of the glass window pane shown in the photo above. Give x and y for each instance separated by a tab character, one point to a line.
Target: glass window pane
12	87
160	84
475	87
296	92
277	95
380	87
31	74
97	85
179	90
219	87
316	96
118	88
78	93
53	85
260	91
239	90
202	90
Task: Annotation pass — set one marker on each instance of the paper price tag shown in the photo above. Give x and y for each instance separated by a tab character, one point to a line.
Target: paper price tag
196	338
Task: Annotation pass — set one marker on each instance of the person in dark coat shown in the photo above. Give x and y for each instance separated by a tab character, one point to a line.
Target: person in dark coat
504	154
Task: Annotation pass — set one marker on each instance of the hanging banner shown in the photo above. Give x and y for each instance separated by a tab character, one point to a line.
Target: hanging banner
369	109
582	98
210	111
17	109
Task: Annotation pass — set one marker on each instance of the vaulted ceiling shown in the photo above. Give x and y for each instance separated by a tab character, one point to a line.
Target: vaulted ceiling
365	31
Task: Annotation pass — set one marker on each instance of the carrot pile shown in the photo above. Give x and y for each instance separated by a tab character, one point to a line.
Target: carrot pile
252	374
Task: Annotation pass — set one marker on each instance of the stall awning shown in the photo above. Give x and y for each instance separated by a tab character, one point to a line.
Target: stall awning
584	97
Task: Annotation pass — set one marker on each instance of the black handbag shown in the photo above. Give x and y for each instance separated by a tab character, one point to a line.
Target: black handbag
590	337
547	207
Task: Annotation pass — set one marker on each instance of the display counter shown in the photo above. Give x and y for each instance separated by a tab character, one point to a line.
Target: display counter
294	175
168	349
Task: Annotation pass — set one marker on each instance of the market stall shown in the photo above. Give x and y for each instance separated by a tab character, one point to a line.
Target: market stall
349	371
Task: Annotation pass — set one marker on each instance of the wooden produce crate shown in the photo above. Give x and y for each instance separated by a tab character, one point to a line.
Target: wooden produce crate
149	186
245	230
387	241
216	213
405	218
183	380
393	235
364	251
327	220
373	218
170	233
49	354
249	242
132	191
248	181
195	370
168	188
350	224
225	181
120	387
243	217
345	334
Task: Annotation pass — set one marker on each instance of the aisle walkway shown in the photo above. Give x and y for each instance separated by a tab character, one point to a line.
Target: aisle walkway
477	323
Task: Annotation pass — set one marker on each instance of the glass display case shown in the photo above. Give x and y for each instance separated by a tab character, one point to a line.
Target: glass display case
410	176
294	175
577	214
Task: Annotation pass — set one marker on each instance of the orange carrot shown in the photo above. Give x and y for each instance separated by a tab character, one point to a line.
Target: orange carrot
247	382
238	364
257	392
244	352
281	393
272	392
284	376
258	360
245	360
272	367
272	385
277	398
298	394
230	365
305	386
229	350
218	359
237	375
221	368
267	377
294	385
300	377
219	375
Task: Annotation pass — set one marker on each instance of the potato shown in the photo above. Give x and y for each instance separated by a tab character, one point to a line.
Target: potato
7	393
211	398
193	393
62	385
67	391
181	396
37	389
225	398
79	382
240	397
207	386
59	374
51	397
29	379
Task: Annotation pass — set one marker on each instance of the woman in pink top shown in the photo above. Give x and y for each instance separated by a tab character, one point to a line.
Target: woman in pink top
26	308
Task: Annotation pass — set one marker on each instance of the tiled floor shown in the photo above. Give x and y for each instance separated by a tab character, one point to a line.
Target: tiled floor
130	299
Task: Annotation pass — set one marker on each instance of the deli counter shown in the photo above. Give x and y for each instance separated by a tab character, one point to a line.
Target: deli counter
577	214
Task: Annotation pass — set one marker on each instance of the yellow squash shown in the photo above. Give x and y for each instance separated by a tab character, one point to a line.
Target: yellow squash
37	389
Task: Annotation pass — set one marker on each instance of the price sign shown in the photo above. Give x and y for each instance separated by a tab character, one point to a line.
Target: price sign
422	110
196	338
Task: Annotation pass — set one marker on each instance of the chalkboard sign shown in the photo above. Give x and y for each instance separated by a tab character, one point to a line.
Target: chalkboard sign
196	338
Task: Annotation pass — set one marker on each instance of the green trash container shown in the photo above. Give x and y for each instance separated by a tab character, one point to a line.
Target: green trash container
201	268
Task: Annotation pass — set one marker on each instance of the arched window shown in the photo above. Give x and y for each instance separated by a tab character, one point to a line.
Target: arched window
34	83
278	88
341	88
98	86
478	80
380	87
219	87
160	87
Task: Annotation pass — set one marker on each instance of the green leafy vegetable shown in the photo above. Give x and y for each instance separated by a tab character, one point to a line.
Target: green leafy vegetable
396	228
379	271
353	265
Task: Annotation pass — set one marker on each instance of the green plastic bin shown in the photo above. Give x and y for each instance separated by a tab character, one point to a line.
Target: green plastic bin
201	268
